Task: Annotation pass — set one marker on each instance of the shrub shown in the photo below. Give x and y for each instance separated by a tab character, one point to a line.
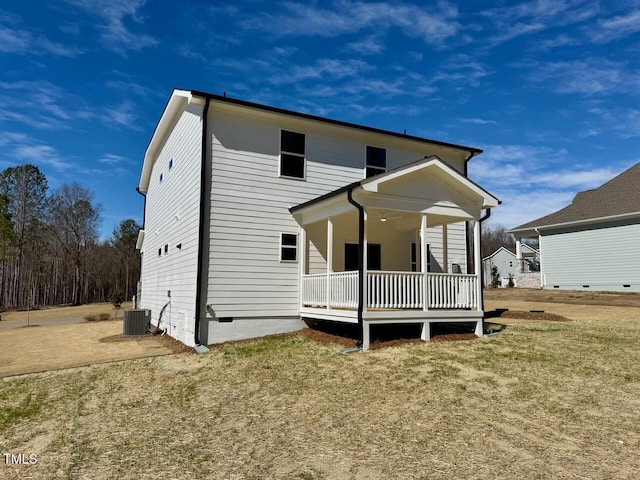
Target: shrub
90	318
104	316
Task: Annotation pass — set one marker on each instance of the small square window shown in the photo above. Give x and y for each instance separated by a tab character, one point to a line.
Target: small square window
288	247
161	176
159	252
292	154
170	164
166	249
376	162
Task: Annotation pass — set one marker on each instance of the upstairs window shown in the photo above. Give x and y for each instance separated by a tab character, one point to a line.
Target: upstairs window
292	154
288	247
376	161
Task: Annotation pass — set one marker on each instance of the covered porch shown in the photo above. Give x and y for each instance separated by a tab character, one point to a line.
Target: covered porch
393	249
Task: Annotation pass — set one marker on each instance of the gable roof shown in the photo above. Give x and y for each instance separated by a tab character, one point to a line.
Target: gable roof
371	183
619	197
531	252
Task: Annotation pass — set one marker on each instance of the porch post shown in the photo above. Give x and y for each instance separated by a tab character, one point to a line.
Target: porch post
329	259
365	280
519	260
445	249
477	261
423	262
303	264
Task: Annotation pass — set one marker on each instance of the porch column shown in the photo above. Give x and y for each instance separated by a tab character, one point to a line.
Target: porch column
477	261
329	259
303	263
519	260
423	262
365	281
445	249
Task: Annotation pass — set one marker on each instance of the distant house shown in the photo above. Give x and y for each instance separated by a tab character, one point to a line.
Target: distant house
258	218
593	243
505	262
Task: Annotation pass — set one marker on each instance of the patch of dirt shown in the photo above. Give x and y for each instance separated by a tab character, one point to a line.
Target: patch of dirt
573	297
551	317
524	315
165	340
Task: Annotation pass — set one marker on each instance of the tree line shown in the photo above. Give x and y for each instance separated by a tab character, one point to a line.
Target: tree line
50	252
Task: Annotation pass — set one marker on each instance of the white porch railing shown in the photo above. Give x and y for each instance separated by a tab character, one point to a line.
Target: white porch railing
394	289
454	291
391	290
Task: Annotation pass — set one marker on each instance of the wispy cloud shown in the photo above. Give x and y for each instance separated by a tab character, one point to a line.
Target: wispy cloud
15	38
588	77
529	17
477	121
112	159
369	45
45	106
434	23
115	33
21	148
123	115
614	28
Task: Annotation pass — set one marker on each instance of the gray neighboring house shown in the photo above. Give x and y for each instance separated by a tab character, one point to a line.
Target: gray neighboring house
593	243
505	261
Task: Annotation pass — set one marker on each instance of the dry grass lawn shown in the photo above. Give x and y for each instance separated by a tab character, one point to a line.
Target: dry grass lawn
54	313
52	347
539	400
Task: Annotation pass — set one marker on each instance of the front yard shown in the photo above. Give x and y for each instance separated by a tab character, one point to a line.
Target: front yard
539	400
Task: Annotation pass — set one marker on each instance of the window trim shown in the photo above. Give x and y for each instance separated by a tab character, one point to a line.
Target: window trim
288	247
303	156
374	167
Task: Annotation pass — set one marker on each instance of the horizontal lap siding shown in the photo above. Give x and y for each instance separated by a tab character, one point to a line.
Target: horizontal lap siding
249	208
603	258
177	195
456	242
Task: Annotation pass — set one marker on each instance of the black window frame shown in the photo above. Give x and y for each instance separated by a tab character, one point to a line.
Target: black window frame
293	148
286	247
375	161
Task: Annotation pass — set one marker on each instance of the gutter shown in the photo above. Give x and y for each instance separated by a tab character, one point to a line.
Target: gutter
482	219
467	244
201	229
361	278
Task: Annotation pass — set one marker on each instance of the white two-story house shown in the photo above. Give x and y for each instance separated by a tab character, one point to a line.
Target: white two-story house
258	218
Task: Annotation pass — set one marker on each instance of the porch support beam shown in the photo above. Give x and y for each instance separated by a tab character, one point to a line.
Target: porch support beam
329	259
445	249
477	262
423	262
365	276
302	238
425	332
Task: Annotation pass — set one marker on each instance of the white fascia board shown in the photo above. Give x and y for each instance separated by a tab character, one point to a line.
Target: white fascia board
177	102
331	207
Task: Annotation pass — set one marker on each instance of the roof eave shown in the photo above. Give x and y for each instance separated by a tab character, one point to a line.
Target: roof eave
175	104
611	218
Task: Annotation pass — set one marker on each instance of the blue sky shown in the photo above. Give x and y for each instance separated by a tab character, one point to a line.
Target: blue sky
548	89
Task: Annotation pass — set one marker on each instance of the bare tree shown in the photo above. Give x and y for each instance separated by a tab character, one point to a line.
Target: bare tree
495	236
74	219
